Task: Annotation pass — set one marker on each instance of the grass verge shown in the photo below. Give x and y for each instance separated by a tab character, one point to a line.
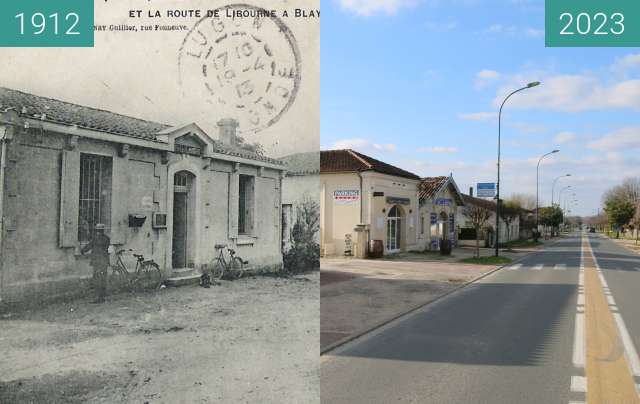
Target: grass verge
492	260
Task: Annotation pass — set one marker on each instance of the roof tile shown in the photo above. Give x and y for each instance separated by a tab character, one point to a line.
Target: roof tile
336	161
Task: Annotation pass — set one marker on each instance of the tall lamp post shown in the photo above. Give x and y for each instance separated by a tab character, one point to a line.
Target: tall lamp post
538	183
530	85
553	187
560	195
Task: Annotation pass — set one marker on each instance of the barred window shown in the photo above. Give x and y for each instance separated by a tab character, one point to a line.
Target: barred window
245	204
95	194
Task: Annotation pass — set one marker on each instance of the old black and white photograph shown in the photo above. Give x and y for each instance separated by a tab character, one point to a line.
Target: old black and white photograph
159	206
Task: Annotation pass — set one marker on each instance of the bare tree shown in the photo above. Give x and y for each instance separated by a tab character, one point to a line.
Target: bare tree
520	201
478	216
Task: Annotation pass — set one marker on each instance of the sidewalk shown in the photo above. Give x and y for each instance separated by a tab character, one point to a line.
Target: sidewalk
357	295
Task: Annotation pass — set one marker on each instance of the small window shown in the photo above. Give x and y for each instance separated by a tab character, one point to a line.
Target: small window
421	224
245	204
95	194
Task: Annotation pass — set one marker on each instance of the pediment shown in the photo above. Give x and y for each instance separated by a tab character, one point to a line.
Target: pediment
188	135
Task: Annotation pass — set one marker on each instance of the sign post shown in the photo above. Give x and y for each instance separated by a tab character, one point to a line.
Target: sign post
486	189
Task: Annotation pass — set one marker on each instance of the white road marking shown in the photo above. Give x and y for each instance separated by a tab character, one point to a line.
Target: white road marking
579	355
537	267
560	267
578	384
514	267
630	351
611	301
581	299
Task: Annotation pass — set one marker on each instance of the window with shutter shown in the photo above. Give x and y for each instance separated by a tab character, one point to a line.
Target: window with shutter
69	193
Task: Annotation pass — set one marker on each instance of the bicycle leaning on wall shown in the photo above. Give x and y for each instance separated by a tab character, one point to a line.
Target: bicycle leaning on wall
221	268
146	273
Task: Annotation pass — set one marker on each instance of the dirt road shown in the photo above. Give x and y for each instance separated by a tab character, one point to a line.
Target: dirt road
252	340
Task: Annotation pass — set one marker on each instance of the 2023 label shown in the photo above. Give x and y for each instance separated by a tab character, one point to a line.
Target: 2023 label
591	23
45	23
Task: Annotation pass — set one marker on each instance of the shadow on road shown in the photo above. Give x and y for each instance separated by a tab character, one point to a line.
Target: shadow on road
472	329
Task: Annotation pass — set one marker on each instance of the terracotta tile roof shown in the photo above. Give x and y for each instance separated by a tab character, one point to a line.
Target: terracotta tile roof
337	161
429	186
33	106
485	203
61	112
302	163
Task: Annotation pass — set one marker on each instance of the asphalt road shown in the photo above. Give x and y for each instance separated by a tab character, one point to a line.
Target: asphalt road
512	337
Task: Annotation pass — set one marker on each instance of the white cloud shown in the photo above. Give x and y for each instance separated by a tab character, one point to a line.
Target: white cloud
486	77
478	116
438	149
363	145
534	33
500	29
389	147
571	93
369	7
565	137
356	143
622	139
512	30
626	63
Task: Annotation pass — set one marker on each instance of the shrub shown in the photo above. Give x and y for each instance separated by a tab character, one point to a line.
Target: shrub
304	254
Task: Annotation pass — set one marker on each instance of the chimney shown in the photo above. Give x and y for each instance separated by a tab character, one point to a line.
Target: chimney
228	128
470	191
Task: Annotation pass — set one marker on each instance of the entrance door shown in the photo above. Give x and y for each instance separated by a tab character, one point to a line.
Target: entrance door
394	224
180	229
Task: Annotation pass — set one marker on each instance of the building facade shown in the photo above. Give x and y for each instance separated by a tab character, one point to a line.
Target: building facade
169	193
440	201
363	200
509	222
300	185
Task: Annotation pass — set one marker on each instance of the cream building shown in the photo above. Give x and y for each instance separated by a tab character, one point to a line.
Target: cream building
360	192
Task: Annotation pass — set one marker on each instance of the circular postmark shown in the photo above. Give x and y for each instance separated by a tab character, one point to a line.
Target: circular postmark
245	62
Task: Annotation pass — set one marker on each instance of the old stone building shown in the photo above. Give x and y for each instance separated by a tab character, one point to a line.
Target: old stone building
170	193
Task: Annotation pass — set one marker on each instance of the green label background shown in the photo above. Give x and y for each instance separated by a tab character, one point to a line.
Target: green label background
10	26
629	8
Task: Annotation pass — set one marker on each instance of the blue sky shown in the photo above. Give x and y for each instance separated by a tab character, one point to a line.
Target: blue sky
417	83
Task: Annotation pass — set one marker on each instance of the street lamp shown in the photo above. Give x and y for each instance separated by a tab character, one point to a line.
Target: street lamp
553	187
560	194
538	182
530	85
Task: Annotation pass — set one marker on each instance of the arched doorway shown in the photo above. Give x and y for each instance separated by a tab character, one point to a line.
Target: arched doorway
394	229
183	219
443	226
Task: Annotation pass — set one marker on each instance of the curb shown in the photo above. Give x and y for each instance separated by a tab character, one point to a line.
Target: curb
382	323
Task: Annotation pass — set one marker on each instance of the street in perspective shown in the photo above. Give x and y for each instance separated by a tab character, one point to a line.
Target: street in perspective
479	209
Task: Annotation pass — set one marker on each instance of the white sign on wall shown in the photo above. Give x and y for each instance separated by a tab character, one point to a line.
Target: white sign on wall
346	196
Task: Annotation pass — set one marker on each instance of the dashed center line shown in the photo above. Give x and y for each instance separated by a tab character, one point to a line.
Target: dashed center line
537	267
560	267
